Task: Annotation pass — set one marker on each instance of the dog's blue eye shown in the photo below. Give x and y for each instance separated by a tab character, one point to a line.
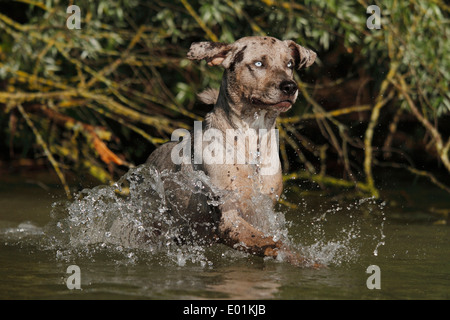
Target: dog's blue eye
290	65
258	64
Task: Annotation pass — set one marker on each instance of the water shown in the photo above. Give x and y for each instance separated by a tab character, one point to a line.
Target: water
109	232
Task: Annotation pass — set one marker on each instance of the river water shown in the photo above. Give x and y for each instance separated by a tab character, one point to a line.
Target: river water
407	238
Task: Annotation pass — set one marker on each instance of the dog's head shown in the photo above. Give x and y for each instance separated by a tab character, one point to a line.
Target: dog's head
259	70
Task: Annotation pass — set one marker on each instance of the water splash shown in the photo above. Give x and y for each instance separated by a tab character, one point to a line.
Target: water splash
338	234
24	230
131	215
131	219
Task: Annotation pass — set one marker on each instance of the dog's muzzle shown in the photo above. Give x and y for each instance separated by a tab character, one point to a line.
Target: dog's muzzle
288	87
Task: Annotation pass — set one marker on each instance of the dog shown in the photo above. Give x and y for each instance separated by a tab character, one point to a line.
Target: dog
257	86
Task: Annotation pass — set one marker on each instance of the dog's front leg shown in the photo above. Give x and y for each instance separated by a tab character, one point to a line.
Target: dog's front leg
239	234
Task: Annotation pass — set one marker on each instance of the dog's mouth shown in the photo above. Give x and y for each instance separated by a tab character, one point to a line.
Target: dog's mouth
283	105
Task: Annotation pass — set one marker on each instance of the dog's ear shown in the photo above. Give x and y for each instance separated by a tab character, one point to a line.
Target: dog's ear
303	57
213	52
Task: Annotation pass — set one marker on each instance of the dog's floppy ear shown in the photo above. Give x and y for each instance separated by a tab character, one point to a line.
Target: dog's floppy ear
213	52
303	57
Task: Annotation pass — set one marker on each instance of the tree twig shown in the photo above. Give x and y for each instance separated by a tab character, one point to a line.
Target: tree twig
46	150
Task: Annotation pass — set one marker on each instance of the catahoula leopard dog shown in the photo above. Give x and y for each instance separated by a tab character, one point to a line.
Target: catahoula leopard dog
257	85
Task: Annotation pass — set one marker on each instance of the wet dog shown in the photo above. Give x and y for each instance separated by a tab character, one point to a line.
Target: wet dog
257	85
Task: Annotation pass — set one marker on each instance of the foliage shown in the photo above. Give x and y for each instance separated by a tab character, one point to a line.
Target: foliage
98	99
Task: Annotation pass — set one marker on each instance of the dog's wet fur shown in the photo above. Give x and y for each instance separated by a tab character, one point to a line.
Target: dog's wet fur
257	85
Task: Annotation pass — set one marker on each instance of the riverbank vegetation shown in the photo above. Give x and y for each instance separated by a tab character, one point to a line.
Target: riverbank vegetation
97	100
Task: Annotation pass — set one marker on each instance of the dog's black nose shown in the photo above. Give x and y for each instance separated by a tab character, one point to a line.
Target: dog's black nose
288	87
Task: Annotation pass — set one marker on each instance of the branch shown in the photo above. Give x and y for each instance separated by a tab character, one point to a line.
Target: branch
439	144
322	115
200	22
370	129
46	150
322	179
